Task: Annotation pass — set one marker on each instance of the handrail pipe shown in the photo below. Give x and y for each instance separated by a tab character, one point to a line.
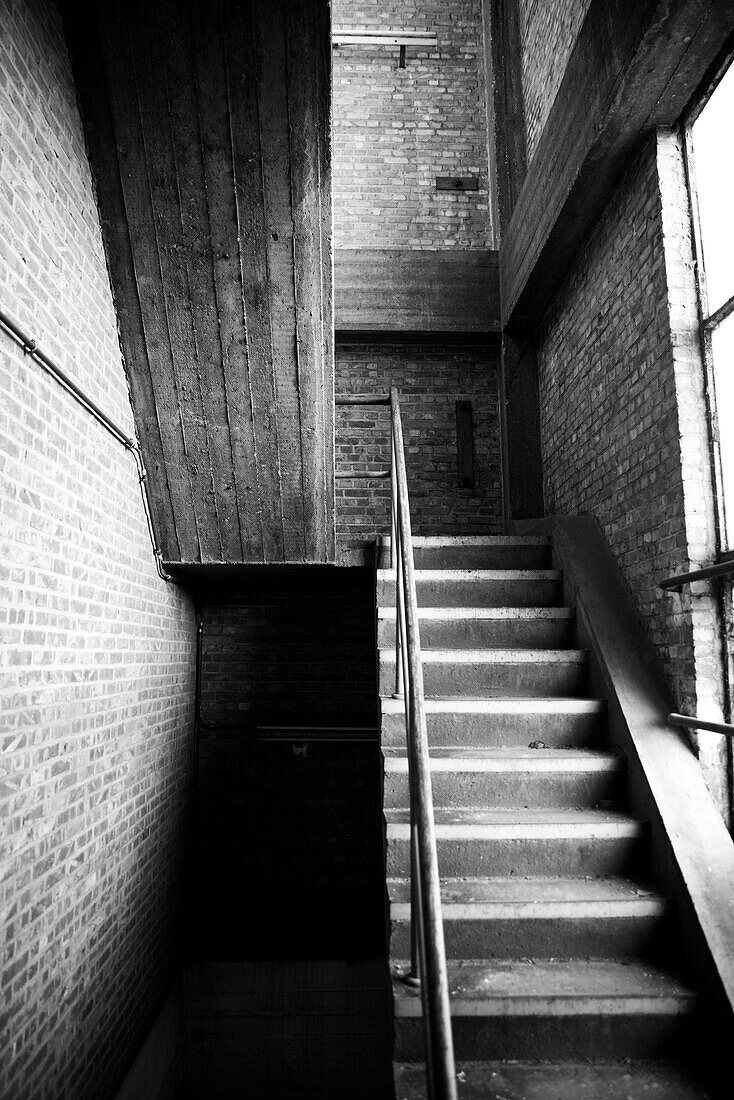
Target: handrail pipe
31	348
428	962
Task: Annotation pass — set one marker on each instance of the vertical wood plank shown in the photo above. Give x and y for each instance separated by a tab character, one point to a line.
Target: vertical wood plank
240	46
187	226
91	82
308	99
220	115
279	232
186	469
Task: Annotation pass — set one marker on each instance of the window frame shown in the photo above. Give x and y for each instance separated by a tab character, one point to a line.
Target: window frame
708	321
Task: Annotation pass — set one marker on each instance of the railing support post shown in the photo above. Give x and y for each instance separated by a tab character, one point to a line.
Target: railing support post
428	962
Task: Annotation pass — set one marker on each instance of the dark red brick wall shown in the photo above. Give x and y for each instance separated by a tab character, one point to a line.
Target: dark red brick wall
289	834
97	676
396	129
431	379
609	414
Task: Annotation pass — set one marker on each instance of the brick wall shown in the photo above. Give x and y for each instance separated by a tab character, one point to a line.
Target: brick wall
431	379
396	129
610	425
96	681
289	835
548	31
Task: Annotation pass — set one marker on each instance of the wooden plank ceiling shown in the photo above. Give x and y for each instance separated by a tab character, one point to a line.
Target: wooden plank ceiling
208	123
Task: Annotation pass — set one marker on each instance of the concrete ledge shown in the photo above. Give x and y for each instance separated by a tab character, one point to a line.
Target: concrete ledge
694	851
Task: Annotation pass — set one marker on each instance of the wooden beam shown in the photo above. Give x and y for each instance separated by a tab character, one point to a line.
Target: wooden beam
635	66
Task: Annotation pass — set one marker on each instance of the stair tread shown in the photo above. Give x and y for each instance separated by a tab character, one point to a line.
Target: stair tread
492	613
628	1080
476	816
556	986
473	540
475	574
569	704
535	893
501	655
450	758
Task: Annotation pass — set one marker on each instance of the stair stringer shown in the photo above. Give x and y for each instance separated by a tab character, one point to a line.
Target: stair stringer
693	851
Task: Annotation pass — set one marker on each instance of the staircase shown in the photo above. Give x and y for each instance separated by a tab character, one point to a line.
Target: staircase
557	940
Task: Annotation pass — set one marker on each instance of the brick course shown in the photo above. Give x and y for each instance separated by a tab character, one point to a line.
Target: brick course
610	424
396	129
96	676
430	378
548	31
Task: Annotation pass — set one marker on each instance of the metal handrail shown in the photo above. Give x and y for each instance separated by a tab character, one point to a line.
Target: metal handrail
687	722
43	359
721	569
428	953
428	969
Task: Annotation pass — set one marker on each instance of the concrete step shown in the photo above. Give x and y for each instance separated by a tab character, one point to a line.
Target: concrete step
477	587
639	1080
479	627
557	723
484	673
507	778
538	918
476	842
474	552
574	1009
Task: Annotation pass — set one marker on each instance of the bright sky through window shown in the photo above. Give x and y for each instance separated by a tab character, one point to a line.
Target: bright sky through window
713	143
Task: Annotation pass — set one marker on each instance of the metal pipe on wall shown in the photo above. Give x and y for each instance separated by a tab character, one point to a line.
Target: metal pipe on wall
31	347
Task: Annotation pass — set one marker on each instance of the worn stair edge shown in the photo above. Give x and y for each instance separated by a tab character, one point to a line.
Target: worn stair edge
477	824
448	759
426	576
473	540
502	705
553	1081
551	987
536	899
462	614
496	656
533	889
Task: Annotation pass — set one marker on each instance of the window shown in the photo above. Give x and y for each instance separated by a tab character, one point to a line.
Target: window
710	150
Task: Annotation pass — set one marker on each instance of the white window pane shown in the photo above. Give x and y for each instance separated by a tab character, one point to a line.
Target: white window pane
723	347
713	143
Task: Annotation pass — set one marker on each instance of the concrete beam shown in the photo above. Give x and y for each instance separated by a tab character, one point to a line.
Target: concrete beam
635	67
406	290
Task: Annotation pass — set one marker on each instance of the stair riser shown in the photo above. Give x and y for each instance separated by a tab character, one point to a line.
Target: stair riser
481	633
478	593
510	790
487	680
592	937
476	557
594	1037
567	856
502	730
